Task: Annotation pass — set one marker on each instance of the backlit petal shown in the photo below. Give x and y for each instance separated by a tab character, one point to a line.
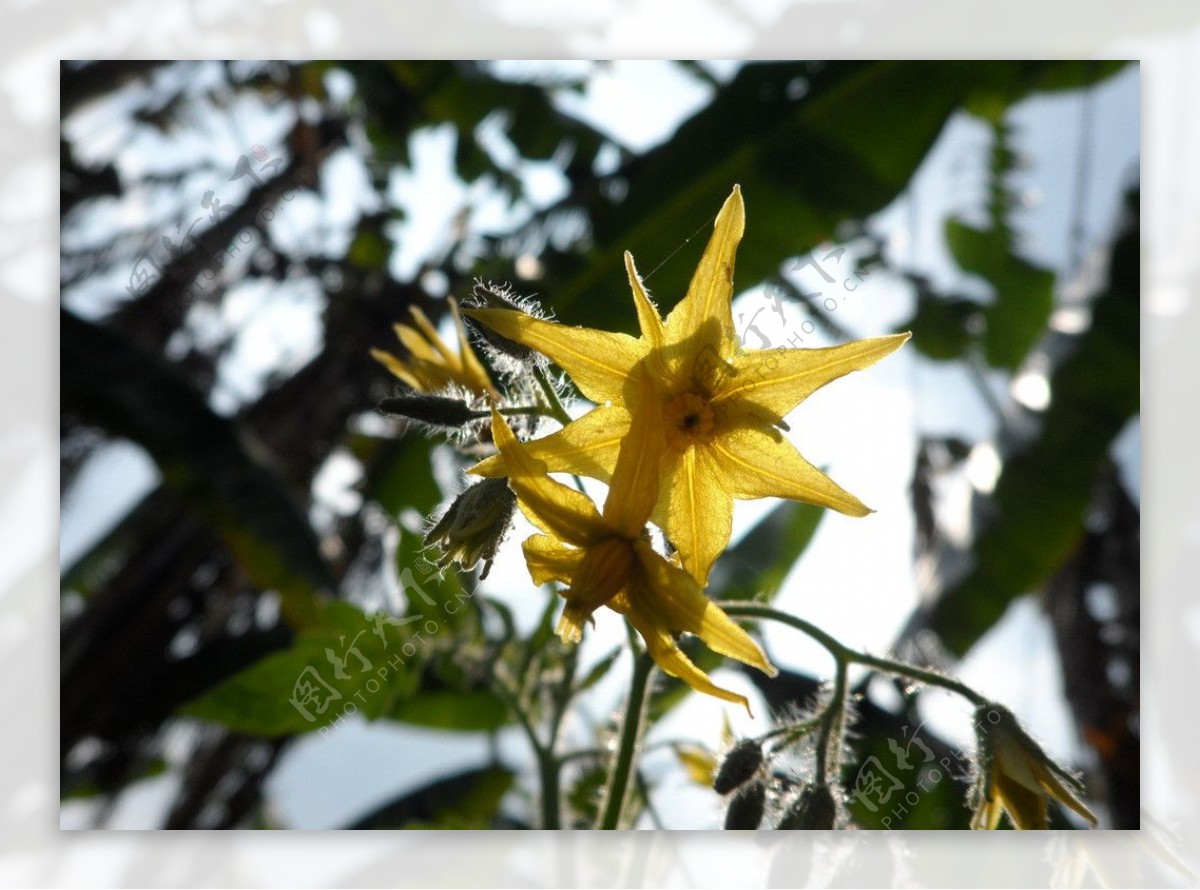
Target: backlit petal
633	491
598	361
396	366
425	326
554	508
757	464
768	383
587	446
703	319
679	604
695	511
549	559
649	320
670	658
472	368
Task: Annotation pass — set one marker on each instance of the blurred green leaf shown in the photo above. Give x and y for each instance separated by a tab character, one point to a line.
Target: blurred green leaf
1024	293
1042	497
940	327
599	669
466	800
807	161
757	565
471	710
298	690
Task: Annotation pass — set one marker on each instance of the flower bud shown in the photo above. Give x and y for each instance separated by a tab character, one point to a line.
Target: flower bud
474	525
739	766
746	808
434	410
1015	776
491	296
814	809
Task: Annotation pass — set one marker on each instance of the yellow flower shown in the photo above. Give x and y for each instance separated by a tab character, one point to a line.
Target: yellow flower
606	559
1017	777
432	365
721	405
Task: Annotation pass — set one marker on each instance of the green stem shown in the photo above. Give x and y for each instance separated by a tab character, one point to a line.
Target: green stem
622	771
548	765
549	772
516	411
557	411
831	726
843	653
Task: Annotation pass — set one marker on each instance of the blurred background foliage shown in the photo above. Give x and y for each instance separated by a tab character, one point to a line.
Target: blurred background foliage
187	622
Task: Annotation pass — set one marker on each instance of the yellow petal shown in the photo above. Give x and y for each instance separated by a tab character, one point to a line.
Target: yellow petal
704	317
418	347
587	446
474	373
649	320
425	326
678	603
603	572
396	366
1026	808
698	762
548	559
554	508
768	383
757	464
1060	792
696	512
598	361
633	491
670	658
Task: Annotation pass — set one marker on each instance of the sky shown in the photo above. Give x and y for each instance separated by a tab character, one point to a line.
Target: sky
855	579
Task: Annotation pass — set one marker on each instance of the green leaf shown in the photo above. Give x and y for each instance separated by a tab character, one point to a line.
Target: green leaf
756	566
806	165
1043	494
940	329
1024	293
299	689
472	710
465	800
599	669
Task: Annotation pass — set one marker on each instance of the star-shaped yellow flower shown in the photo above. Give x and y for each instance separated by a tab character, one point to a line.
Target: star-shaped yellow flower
606	559
432	365
721	405
1017	777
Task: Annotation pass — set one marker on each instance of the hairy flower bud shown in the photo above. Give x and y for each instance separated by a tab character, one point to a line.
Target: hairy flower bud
434	410
487	295
814	809
474	525
746	808
739	766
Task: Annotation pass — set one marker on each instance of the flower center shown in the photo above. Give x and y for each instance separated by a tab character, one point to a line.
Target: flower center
688	419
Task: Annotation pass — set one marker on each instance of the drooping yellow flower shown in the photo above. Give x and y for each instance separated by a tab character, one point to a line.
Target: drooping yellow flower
432	365
1017	777
721	405
605	559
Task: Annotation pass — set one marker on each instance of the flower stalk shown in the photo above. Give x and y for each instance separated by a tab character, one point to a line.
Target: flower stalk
620	779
